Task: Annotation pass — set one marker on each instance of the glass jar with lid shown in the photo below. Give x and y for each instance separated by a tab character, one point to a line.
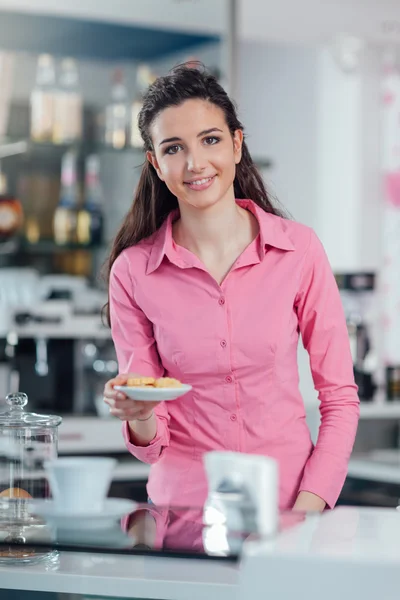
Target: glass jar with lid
26	441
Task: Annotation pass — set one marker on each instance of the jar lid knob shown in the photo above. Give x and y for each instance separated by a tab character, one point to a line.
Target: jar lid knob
17	401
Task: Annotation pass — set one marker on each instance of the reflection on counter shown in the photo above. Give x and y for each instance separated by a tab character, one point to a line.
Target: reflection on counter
151	530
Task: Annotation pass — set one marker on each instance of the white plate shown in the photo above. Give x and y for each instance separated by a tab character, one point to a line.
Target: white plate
113	510
151	394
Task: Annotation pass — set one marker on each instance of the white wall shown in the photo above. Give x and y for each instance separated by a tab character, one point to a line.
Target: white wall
320	126
277	105
348	174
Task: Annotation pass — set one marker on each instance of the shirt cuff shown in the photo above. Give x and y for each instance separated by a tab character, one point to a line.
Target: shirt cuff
151	453
323	477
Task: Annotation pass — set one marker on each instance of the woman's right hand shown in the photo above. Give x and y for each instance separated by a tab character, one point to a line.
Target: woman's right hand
121	406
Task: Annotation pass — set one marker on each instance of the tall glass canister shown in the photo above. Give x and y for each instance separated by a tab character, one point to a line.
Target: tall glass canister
26	441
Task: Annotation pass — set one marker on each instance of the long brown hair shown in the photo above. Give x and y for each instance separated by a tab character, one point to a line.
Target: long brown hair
153	201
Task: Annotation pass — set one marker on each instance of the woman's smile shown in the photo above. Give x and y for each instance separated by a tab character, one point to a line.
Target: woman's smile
199	185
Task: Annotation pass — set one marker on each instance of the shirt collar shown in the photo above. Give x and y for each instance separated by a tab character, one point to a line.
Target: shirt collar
273	229
163	244
273	232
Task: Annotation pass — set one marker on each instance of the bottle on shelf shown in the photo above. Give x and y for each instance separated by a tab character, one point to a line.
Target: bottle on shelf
39	191
90	216
11	214
393	383
144	78
42	101
116	124
65	216
68	108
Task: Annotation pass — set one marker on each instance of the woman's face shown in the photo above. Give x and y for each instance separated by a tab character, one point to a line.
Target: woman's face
195	153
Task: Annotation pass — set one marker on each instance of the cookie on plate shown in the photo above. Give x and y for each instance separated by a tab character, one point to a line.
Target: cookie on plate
167	382
141	382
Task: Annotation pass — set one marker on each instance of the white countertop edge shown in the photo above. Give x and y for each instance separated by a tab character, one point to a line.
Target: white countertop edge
179	579
366	469
380	409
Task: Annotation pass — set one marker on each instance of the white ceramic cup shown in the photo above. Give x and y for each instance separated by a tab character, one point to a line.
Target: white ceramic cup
256	475
79	484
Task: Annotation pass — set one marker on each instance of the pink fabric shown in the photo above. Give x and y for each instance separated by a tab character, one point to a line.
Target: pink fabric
392	182
236	344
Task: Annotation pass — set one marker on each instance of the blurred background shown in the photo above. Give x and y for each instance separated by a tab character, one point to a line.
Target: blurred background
318	90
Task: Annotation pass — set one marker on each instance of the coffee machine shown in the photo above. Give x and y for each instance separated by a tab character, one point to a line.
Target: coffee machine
51	339
357	291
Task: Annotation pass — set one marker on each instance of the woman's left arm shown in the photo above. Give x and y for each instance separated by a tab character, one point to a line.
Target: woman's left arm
324	332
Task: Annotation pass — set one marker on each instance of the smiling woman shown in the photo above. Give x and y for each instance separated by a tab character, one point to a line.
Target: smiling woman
208	284
201	158
194	143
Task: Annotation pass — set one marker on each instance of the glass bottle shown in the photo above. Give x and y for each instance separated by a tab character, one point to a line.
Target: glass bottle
68	109
42	100
117	113
11	214
144	78
90	216
65	216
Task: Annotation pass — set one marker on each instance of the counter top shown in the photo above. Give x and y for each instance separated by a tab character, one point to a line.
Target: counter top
348	553
351	551
360	535
127	576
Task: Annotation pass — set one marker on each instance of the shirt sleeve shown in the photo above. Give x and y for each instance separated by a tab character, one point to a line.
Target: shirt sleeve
136	350
323	328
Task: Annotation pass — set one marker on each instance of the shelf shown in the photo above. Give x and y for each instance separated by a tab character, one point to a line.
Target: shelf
12	147
89	39
376	465
50	247
368	469
380	410
44	247
262	163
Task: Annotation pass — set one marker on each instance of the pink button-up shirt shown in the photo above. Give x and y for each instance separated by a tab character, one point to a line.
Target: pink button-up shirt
236	344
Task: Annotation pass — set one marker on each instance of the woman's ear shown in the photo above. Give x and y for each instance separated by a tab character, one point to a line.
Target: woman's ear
153	161
237	145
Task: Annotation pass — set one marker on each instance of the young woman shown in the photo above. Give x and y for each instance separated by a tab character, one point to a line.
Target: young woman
209	284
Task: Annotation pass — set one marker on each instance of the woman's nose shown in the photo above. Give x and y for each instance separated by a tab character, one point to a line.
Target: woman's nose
195	162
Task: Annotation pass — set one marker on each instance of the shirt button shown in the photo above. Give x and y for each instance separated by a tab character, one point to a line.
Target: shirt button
228	379
233	418
221	301
223	343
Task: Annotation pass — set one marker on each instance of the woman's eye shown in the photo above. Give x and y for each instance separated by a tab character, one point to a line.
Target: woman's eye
172	149
210	141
